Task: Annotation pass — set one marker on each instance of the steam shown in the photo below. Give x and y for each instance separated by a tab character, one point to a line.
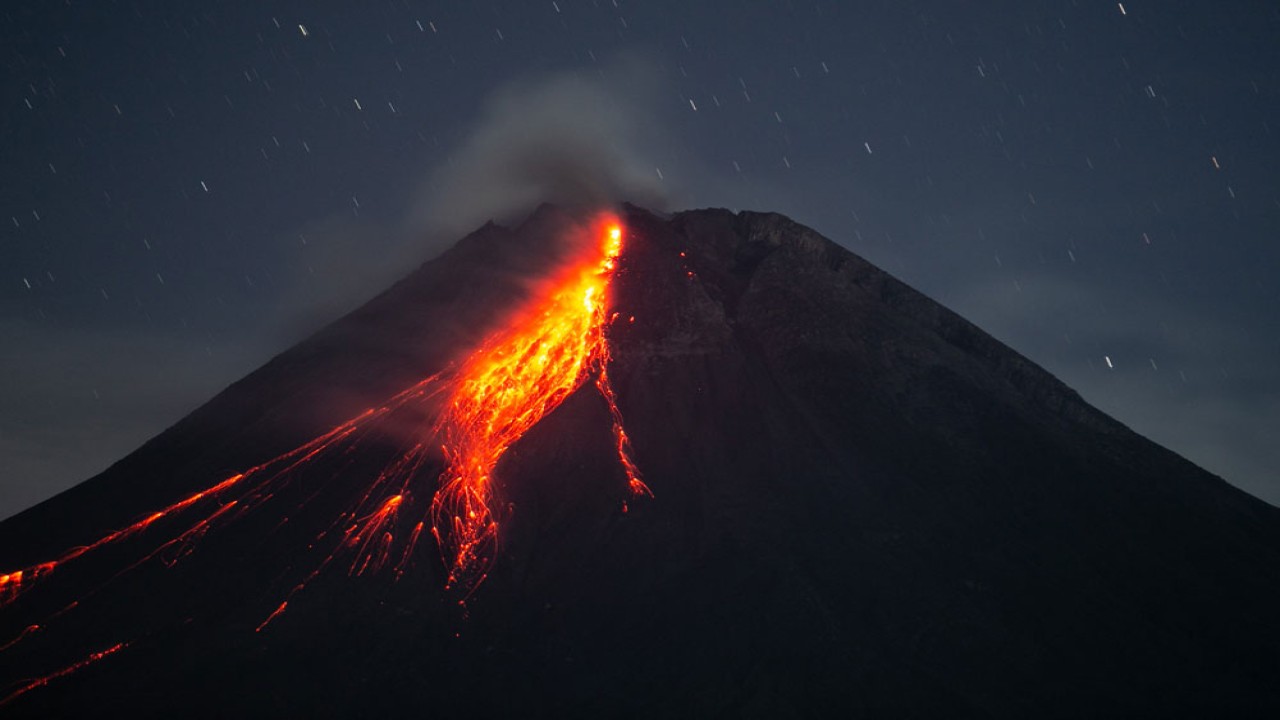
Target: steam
571	139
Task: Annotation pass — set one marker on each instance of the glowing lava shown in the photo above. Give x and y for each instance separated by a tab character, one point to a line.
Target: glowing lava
513	381
32	684
13	584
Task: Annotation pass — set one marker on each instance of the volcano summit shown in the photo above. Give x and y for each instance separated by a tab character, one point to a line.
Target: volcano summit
707	464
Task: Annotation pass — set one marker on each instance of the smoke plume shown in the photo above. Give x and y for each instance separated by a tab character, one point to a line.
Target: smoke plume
571	139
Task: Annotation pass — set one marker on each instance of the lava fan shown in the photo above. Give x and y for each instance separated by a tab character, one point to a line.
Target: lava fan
518	375
862	505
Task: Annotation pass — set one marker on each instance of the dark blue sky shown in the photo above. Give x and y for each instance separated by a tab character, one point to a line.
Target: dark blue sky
186	188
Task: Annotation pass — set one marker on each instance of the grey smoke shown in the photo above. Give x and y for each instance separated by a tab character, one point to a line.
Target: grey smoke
574	139
570	139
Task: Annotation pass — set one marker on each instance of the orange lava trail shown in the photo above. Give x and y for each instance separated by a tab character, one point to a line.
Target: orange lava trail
622	443
14	583
407	553
507	386
275	614
503	389
372	539
185	542
21	636
29	685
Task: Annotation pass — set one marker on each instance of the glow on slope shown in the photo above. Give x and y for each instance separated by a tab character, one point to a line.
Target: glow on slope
517	376
28	685
506	387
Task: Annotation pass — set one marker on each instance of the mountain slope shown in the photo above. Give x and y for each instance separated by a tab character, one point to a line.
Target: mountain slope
861	503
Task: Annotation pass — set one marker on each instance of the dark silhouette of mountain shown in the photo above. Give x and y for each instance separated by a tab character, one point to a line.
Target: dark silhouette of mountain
862	505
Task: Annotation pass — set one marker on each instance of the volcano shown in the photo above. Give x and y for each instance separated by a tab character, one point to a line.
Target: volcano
638	465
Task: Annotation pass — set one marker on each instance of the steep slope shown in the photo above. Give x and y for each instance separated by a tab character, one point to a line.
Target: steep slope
861	504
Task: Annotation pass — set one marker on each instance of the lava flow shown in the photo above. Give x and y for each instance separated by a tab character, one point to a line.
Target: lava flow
34	683
490	400
505	388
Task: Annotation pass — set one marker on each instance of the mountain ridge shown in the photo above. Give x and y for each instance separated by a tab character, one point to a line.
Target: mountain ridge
861	503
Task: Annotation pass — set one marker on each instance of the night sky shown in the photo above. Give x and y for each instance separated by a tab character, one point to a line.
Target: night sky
187	188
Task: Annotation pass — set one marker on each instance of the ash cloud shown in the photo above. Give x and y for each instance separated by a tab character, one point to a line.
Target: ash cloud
575	139
570	139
